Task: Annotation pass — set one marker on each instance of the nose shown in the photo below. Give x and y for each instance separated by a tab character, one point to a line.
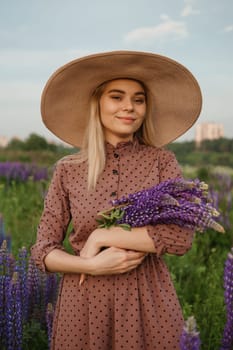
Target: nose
127	105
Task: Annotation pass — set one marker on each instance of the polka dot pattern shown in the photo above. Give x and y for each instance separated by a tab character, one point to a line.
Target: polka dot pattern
137	310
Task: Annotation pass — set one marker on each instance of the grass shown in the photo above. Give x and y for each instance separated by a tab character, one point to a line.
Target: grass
21	205
198	275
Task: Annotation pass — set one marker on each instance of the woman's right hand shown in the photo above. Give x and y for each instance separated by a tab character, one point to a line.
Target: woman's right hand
115	261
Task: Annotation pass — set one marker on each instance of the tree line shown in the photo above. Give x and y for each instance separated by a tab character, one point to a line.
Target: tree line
34	142
220	145
209	152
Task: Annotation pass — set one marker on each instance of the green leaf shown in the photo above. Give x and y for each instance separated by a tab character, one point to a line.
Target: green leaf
107	217
125	227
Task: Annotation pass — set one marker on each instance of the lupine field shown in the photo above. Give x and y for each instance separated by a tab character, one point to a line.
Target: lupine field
203	277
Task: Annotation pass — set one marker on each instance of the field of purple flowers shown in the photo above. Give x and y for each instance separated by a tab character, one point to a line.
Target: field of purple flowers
203	277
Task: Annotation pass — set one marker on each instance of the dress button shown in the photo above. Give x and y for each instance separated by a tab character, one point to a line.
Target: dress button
115	172
113	194
116	155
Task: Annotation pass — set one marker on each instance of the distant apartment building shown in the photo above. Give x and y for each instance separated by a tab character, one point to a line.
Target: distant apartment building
208	131
3	141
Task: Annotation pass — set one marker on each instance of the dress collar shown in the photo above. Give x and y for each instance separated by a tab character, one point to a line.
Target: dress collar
122	146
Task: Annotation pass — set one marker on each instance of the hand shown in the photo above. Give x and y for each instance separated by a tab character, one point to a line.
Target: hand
92	247
116	260
89	250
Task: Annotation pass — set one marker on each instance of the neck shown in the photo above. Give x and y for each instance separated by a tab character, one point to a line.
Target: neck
114	140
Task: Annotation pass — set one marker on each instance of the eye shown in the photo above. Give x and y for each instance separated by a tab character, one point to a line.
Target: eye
139	100
115	97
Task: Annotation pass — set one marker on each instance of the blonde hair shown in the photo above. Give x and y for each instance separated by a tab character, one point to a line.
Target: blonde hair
93	149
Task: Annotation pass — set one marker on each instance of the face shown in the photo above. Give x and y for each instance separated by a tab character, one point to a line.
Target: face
122	109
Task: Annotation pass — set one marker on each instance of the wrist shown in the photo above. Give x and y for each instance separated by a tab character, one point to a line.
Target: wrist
97	238
87	265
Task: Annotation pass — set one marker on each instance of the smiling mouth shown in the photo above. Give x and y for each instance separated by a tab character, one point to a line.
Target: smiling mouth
126	118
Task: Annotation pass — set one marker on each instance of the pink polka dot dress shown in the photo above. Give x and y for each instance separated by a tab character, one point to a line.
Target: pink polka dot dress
138	310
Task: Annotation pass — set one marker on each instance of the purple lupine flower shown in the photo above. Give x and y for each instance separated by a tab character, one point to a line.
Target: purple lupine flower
4	329
14	171
8	261
22	172
190	339
42	289
6	267
2	300
21	268
227	340
51	287
49	320
23	291
223	197
33	289
14	325
40	174
44	296
176	201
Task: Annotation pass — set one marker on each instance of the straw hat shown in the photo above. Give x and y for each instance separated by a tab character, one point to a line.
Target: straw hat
176	95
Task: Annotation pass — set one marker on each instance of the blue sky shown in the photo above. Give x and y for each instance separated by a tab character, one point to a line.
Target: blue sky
36	37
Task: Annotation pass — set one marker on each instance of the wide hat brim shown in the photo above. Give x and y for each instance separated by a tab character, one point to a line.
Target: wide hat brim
176	95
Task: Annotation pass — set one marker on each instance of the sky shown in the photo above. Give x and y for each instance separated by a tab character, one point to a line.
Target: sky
37	37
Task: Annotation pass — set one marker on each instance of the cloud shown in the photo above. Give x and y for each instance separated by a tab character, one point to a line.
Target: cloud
167	29
189	9
228	28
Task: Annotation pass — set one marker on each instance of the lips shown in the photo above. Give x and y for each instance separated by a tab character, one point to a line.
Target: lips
126	118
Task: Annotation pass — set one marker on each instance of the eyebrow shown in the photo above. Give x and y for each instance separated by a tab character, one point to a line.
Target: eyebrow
123	92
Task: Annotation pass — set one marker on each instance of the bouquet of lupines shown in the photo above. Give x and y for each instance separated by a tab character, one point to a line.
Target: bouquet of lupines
177	201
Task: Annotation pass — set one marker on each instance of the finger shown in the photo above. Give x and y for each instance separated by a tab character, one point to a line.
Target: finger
135	262
135	255
82	279
131	264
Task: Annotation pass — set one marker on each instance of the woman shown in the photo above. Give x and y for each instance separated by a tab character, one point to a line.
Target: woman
121	107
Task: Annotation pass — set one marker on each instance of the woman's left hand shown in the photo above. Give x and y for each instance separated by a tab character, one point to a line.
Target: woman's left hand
90	249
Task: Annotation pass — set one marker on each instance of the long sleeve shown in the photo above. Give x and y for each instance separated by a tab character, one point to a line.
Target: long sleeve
55	218
171	239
